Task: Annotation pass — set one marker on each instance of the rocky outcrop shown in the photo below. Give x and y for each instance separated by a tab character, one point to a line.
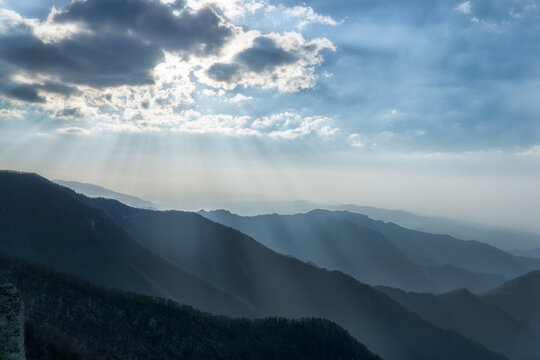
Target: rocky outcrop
11	323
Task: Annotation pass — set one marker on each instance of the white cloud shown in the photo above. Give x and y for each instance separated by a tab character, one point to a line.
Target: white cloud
194	122
532	151
239	98
73	131
12	113
307	15
464	7
230	8
289	125
354	140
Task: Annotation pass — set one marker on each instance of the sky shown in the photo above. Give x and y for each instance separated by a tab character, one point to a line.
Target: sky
425	105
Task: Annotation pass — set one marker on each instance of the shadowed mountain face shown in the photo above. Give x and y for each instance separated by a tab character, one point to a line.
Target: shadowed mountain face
467	314
519	297
48	224
128	326
283	286
338	241
333	244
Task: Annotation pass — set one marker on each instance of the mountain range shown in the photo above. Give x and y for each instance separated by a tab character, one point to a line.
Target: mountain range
381	253
505	239
190	259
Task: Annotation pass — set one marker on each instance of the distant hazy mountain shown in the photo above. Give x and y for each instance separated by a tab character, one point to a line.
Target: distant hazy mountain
535	253
506	239
436	250
49	224
519	297
128	326
91	190
467	314
357	245
333	244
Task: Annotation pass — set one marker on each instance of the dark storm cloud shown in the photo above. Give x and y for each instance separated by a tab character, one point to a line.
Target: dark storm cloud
223	72
263	55
199	32
23	92
69	112
96	60
58	88
13	90
125	42
30	92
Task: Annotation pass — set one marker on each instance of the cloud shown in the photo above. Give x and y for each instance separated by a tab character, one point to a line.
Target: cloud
282	61
223	72
74	131
289	125
69	113
231	9
307	15
95	60
123	42
190	32
354	140
464	7
239	98
23	92
532	151
135	65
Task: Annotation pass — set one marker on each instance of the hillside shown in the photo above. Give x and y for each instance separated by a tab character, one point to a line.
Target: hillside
467	314
520	297
49	224
11	322
128	326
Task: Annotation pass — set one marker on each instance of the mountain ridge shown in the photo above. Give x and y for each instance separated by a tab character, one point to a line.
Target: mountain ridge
289	233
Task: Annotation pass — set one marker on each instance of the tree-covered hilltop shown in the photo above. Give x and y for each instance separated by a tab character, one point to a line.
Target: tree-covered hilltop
128	326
